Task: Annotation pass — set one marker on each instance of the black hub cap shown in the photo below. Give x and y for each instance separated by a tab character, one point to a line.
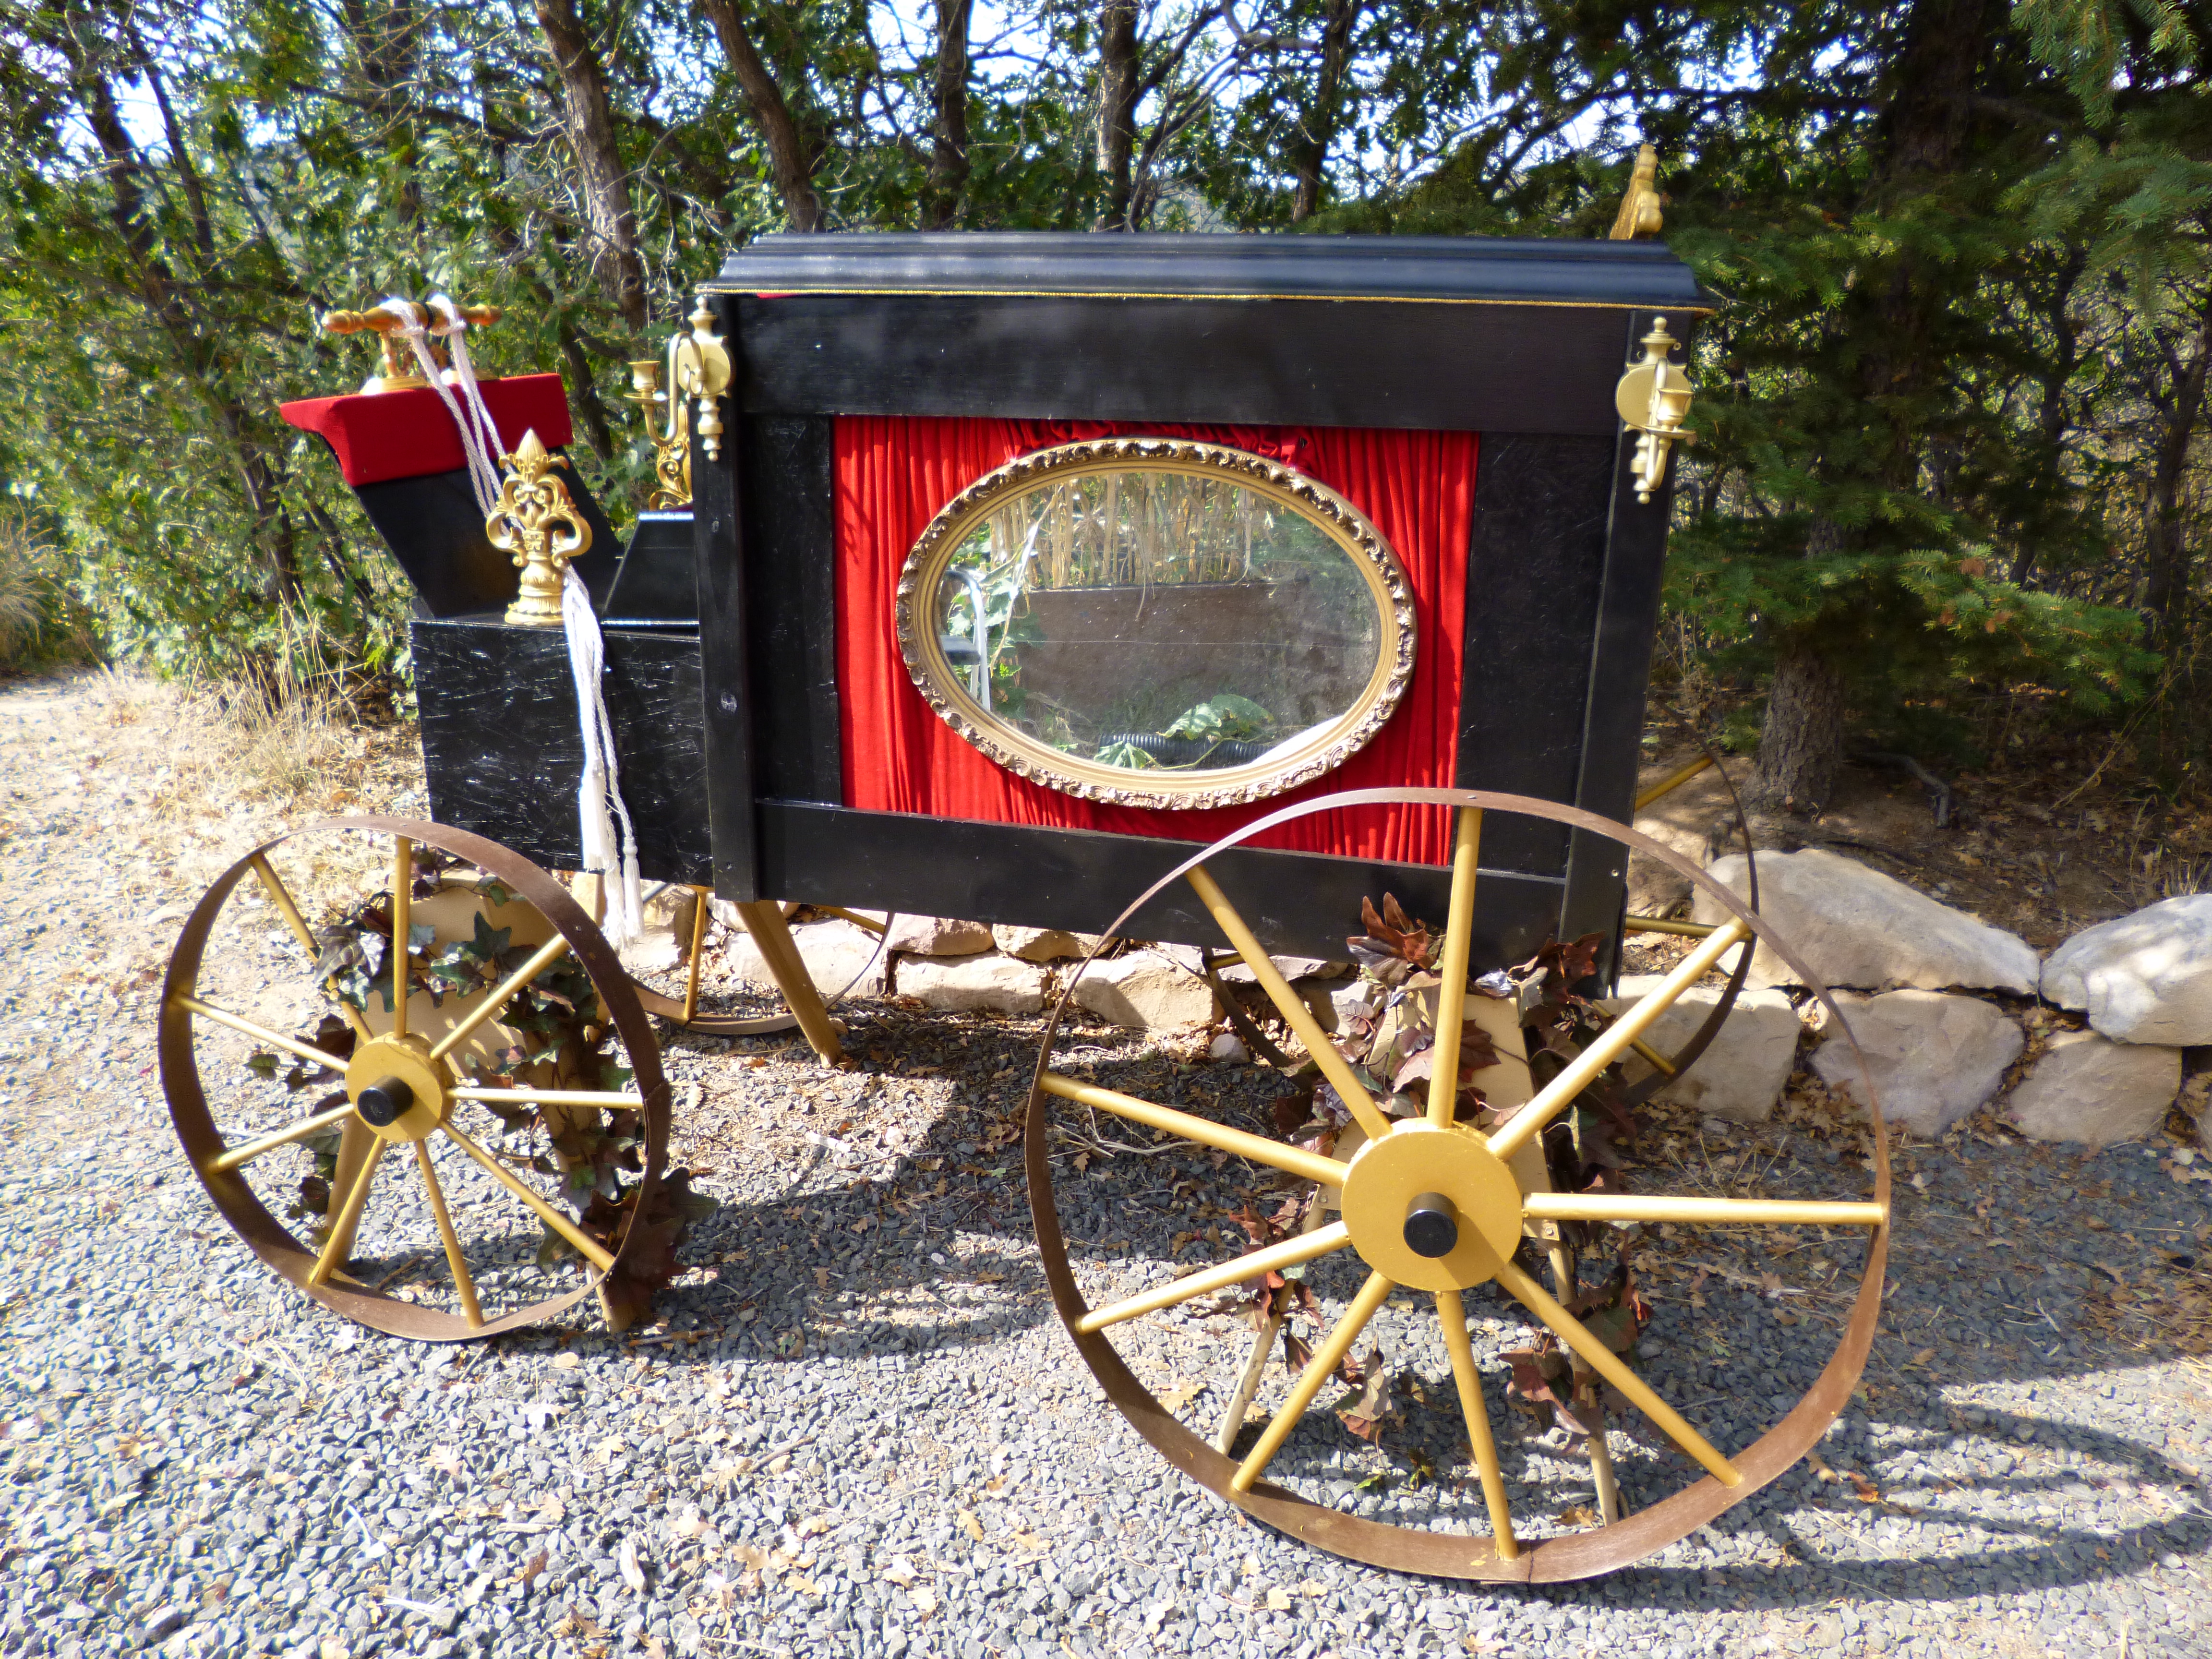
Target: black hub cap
1431	1225
381	1103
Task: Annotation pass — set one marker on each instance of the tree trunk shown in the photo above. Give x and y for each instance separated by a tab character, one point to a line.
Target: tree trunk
948	157
2167	555
1802	745
1116	139
1309	151
790	157
590	121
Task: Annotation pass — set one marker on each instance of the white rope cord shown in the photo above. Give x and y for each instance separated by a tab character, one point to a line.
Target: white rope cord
600	787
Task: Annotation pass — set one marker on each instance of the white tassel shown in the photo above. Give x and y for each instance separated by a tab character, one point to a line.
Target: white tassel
602	780
601	785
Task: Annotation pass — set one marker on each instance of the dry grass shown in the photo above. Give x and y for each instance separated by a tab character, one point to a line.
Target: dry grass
39	621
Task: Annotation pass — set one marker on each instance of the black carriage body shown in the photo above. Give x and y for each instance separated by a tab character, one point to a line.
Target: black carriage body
730	745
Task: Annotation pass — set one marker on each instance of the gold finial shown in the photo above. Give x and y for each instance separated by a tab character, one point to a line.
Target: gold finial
672	439
1640	214
700	366
1654	399
532	505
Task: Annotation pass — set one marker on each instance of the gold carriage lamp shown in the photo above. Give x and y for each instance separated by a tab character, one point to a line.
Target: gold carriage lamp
399	373
1653	399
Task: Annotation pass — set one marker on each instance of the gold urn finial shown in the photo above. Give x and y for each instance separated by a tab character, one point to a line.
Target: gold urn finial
1640	216
538	523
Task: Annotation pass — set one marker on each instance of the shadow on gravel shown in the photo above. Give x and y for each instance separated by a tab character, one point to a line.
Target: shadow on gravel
930	1251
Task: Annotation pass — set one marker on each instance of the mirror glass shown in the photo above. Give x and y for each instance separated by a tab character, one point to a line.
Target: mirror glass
1161	623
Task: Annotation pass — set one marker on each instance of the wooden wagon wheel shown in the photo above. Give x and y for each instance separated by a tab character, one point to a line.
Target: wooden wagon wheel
404	1075
1437	1208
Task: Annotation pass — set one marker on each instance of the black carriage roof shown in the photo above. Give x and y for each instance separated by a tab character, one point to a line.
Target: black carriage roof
1462	270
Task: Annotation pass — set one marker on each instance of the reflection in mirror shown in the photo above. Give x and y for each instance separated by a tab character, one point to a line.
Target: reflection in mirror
1153	621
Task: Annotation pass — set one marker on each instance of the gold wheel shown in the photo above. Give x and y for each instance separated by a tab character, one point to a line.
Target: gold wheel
1436	1212
515	1084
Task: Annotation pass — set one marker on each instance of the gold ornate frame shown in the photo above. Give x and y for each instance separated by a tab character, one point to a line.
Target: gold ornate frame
934	678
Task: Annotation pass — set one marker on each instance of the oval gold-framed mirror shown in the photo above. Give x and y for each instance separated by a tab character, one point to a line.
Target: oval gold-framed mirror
1155	621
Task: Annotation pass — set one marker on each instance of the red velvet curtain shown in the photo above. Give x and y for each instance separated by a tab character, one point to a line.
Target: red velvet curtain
894	473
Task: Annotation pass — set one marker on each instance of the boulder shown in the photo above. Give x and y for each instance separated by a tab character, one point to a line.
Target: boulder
1935	1058
934	936
2088	1088
1741	1072
1145	991
655	950
1855	926
834	951
1682	821
989	983
2145	978
1043	943
1291	968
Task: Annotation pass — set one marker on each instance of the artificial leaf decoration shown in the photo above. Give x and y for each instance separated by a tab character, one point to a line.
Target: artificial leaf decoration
1368	1410
1390	938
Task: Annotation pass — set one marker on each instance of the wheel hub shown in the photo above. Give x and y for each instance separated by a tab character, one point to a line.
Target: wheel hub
396	1090
1431	1208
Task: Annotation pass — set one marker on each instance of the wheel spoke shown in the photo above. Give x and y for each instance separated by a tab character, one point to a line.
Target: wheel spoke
1275	1154
699	904
610	1098
281	896
237	1157
402	894
589	1247
1582	1071
1273	1258
1602	1360
1715	1211
465	1285
1372	1295
1453	1317
262	1034
548	954
340	1242
1292	1006
1451	995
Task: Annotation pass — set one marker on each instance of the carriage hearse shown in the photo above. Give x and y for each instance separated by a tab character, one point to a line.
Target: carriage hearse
1201	590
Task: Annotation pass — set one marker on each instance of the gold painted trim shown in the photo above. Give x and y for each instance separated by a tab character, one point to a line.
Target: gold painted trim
1343	522
749	291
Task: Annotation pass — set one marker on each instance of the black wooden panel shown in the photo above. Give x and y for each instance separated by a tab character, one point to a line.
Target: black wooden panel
503	753
1297	903
1620	674
1489	368
792	579
656	582
726	646
1534	576
1464	269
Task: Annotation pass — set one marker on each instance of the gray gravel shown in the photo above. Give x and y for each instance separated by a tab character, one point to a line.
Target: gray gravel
860	1429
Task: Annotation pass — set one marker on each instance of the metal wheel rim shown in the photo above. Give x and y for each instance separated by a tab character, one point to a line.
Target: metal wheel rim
1410	1549
269	1238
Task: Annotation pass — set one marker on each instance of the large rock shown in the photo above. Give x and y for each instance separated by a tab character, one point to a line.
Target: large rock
1291	968
1742	1071
1042	943
990	982
835	952
1145	991
2090	1089
2145	978
1933	1057
1855	926
934	936
1682	821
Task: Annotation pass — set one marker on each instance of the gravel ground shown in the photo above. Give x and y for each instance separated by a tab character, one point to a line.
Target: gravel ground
859	1428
